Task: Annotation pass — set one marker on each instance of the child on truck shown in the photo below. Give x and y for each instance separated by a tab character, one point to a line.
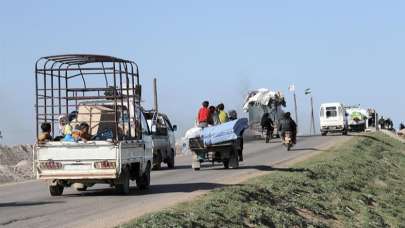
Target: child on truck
46	133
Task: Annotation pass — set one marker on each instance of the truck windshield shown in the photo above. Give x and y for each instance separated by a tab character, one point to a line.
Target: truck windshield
331	112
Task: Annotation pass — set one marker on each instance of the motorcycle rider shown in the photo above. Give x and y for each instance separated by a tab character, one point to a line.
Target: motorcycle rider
267	125
288	124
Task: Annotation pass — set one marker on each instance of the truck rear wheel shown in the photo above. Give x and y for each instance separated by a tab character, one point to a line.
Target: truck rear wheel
56	190
170	162
157	160
123	186
226	164
143	182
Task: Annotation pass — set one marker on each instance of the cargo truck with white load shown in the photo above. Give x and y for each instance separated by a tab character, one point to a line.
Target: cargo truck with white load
357	118
104	93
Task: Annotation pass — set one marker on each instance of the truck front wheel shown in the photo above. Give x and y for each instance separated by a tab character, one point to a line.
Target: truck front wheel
56	190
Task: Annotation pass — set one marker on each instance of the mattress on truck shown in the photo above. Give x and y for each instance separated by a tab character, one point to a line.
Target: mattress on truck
226	132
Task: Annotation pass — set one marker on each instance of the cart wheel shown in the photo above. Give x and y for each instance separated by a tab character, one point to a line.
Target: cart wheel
234	160
226	164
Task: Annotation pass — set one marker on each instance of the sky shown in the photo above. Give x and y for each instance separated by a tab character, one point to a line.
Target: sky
347	51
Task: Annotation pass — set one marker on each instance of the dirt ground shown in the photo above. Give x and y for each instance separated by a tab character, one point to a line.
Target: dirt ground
15	163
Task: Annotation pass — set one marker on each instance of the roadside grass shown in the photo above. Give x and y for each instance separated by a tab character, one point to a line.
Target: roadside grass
358	184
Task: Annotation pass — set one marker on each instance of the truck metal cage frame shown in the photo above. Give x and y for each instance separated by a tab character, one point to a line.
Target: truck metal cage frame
63	83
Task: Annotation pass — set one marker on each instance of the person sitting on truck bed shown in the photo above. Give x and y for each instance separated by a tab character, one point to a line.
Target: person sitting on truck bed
84	130
233	115
223	116
213	119
203	115
45	135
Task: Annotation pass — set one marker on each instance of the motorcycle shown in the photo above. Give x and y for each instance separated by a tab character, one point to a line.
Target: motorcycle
287	141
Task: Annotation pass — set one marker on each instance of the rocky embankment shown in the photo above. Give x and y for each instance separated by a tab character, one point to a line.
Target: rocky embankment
15	163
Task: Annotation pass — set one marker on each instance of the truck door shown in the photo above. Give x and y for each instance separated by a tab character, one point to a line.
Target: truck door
146	137
171	129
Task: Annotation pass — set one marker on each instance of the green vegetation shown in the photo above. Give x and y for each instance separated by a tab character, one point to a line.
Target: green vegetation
359	184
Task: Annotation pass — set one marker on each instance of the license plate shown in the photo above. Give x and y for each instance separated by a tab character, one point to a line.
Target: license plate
77	167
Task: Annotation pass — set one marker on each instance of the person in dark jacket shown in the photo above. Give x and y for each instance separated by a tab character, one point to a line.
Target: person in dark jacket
267	125
288	124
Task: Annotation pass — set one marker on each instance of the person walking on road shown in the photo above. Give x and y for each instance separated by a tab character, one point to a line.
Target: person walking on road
203	115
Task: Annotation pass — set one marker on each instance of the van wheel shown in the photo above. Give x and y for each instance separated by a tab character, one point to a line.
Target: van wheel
56	190
324	133
170	162
143	182
123	183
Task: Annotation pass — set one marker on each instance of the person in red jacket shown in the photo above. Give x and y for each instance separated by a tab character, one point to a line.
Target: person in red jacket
203	115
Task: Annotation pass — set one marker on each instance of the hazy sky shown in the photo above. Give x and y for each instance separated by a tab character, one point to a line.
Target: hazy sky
348	51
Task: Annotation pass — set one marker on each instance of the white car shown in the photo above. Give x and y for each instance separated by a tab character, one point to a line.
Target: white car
333	118
163	138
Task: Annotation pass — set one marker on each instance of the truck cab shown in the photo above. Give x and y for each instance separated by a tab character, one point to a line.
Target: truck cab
333	118
163	138
102	93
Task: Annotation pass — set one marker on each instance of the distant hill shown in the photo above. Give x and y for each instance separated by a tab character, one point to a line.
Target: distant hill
15	163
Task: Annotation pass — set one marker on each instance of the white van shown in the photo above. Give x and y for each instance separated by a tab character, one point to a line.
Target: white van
333	118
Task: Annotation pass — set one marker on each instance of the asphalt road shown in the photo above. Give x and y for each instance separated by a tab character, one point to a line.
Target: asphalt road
28	204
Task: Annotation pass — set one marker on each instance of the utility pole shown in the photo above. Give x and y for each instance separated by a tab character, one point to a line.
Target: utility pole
292	89
309	92
312	115
155	97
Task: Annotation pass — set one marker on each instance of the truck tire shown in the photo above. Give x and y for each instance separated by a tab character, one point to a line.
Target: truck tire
170	160
226	164
123	186
143	182
56	190
157	160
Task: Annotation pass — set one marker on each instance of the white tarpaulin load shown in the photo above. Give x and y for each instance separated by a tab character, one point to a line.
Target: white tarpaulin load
264	97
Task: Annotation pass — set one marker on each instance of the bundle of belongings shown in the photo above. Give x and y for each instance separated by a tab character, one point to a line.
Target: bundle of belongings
264	97
216	134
